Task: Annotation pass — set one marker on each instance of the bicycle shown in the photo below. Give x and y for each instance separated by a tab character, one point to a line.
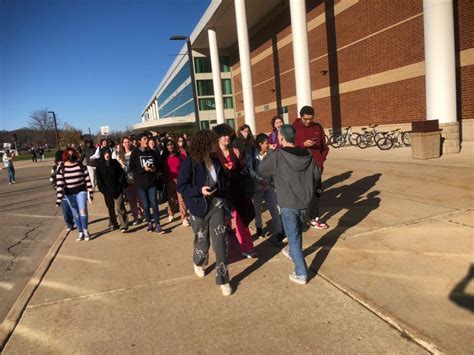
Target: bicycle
391	139
347	138
368	138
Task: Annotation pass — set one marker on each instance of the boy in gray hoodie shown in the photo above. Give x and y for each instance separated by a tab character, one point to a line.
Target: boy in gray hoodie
294	174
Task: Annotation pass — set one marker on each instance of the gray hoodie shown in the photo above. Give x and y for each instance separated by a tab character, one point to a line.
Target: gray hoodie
294	174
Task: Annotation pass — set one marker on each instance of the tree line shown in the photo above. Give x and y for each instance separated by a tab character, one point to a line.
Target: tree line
40	132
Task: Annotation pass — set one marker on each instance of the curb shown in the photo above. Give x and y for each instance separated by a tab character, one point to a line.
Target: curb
429	347
14	315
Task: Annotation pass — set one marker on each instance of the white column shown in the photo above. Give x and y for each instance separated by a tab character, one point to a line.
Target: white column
153	111
299	33
216	75
157	111
245	68
440	67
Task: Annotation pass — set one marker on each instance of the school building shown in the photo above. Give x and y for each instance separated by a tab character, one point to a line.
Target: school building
357	62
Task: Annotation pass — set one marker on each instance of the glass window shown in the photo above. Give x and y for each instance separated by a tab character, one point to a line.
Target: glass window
185	110
227	87
207	104
202	65
230	122
180	78
225	64
205	88
228	103
184	95
205	124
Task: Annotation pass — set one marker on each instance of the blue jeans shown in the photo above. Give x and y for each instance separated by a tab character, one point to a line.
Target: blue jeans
78	205
11	173
149	198
293	222
267	194
67	213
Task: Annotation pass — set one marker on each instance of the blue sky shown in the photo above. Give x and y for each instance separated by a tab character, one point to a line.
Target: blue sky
93	62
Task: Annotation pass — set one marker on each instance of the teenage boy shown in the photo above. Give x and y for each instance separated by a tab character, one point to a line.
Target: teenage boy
265	189
310	135
143	165
295	174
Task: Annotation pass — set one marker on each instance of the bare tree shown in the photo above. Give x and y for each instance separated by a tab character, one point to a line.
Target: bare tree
41	120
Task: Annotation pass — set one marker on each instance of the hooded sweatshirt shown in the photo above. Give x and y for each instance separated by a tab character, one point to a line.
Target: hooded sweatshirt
294	173
111	178
319	150
138	159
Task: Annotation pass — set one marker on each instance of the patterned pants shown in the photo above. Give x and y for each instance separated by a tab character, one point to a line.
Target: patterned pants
211	229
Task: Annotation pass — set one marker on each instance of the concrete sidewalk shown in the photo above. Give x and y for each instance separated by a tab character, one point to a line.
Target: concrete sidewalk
397	254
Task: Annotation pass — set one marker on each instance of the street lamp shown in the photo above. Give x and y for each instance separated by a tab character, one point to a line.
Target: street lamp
193	81
55	129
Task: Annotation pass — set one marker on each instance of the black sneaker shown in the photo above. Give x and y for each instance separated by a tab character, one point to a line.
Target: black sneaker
259	233
149	228
281	238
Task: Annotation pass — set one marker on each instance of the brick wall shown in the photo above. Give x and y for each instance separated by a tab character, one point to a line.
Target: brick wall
379	36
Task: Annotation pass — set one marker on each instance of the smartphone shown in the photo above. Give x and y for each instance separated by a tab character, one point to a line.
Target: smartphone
213	191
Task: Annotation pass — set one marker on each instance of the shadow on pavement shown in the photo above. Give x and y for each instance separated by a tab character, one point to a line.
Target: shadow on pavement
350	197
459	295
266	250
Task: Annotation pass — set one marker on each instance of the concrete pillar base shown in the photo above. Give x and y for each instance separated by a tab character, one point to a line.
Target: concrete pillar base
450	136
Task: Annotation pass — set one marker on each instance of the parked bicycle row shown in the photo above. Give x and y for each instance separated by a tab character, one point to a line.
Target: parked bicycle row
370	137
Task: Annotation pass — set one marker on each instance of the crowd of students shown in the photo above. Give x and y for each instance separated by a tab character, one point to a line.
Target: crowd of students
217	182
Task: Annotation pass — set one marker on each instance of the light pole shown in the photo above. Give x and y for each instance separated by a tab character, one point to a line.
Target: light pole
193	81
55	129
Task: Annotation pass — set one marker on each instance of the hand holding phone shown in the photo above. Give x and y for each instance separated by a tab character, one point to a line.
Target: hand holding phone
208	191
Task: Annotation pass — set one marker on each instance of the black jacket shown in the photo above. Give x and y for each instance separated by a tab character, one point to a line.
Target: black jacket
138	159
111	178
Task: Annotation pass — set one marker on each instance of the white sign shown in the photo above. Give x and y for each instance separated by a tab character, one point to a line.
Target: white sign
104	130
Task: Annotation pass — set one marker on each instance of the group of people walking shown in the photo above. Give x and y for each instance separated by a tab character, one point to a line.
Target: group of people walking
217	182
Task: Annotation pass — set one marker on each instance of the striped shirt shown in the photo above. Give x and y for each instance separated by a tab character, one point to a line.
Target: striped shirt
72	179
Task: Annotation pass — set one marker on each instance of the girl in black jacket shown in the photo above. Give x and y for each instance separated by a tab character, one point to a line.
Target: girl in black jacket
201	183
111	180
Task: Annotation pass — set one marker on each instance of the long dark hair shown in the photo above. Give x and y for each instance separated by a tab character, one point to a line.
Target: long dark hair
249	140
274	119
166	153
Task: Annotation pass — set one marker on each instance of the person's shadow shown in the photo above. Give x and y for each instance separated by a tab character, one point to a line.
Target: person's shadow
459	295
350	197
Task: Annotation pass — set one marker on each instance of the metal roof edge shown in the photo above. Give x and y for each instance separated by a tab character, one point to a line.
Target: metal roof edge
178	61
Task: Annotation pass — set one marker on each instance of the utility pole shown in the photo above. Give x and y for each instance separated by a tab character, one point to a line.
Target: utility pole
56	130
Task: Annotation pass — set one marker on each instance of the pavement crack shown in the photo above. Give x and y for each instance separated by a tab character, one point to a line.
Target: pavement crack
12	252
460	223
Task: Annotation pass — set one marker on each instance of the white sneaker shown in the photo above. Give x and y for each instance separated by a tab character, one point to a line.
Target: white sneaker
199	271
68	229
170	218
185	222
87	236
298	279
80	237
226	290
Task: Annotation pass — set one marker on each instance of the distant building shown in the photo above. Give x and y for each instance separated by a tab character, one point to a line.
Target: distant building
358	62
